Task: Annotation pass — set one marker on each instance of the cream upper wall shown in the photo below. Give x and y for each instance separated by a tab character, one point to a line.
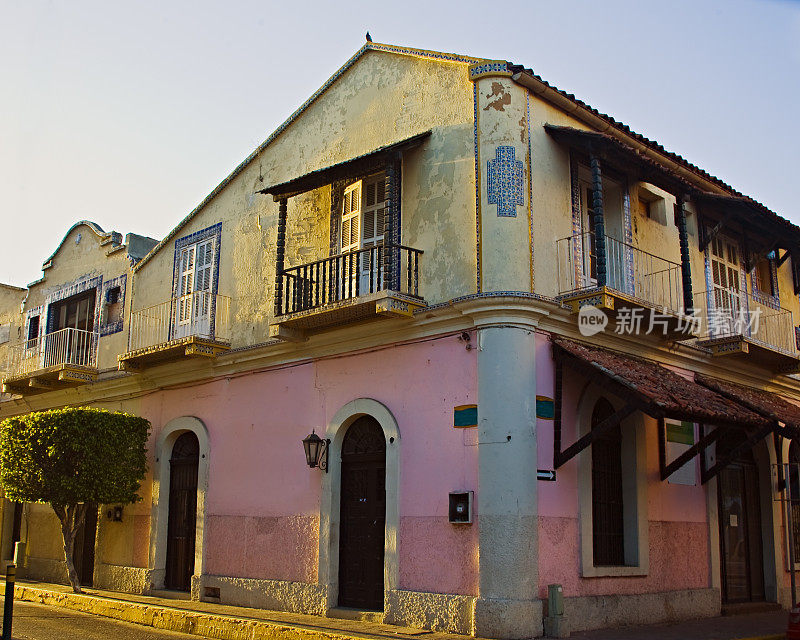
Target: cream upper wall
11	299
383	98
77	261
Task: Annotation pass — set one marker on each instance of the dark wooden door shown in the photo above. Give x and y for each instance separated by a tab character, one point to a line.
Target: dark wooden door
83	551
740	529
181	527
363	516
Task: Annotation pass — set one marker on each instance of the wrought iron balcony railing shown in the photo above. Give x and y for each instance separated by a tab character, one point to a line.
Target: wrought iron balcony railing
200	315
348	276
722	314
64	347
629	270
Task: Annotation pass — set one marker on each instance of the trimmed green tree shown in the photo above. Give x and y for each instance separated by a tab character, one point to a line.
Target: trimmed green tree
69	458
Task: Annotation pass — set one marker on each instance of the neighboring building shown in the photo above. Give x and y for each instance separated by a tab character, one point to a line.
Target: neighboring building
400	268
71	328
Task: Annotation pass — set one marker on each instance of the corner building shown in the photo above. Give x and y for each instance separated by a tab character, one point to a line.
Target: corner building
400	268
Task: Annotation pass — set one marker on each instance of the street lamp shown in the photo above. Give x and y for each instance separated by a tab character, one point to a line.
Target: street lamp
316	450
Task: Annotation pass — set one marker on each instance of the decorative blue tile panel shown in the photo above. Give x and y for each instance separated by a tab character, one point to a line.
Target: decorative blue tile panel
477	187
492	67
114	326
577	224
628	231
214	231
504	181
530	191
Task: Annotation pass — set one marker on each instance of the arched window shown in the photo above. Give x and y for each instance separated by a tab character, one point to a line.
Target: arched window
608	523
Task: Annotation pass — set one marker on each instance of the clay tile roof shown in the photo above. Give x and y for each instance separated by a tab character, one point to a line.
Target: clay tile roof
659	391
769	405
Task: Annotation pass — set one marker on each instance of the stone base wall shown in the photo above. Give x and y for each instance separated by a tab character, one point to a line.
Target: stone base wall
121	578
435	611
45	569
596	612
277	595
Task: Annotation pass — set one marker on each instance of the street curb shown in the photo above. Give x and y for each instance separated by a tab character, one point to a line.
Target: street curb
208	625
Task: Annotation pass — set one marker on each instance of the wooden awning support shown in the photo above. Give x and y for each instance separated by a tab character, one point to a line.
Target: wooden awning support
744	447
698	447
594	433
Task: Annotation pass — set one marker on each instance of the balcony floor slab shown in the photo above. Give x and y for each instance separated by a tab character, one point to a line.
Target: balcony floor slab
49	379
374	306
669	323
745	349
191	346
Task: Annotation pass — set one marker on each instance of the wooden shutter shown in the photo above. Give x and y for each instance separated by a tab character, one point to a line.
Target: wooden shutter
351	218
186	283
374	211
203	273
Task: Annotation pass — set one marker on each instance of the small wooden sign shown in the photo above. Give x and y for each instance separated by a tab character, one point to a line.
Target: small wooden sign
465	415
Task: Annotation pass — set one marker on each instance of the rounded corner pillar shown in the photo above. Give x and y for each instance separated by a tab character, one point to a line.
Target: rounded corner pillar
508	605
503	178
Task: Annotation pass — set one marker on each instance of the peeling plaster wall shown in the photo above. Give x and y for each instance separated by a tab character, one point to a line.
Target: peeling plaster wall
383	98
11	299
505	235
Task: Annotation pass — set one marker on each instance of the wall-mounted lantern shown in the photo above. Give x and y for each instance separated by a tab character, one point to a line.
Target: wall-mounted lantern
316	450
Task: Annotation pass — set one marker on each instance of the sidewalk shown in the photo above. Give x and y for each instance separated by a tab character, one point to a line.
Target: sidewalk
226	622
761	626
211	620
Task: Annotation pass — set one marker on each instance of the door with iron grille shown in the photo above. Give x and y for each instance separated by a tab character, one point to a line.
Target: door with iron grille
181	526
363	516
740	527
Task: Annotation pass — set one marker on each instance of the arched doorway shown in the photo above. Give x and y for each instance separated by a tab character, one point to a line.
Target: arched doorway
741	547
181	526
362	515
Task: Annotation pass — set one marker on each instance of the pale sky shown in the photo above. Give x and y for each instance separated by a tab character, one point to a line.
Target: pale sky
129	114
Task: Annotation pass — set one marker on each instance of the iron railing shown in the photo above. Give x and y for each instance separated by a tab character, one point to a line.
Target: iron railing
200	314
630	270
349	275
65	346
722	313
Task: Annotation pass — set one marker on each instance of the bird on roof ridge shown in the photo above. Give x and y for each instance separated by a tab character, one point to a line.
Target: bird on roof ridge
369	37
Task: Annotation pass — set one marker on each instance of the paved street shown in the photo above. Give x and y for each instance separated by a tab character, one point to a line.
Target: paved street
38	622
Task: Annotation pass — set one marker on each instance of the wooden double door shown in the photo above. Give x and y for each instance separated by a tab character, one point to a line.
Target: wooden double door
363	516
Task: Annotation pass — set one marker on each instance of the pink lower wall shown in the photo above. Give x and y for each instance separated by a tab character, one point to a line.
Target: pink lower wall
678	527
263	502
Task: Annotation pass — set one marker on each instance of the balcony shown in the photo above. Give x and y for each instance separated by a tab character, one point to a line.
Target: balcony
64	358
346	288
194	325
635	280
736	325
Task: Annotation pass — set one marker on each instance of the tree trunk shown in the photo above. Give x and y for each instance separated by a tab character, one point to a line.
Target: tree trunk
71	517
